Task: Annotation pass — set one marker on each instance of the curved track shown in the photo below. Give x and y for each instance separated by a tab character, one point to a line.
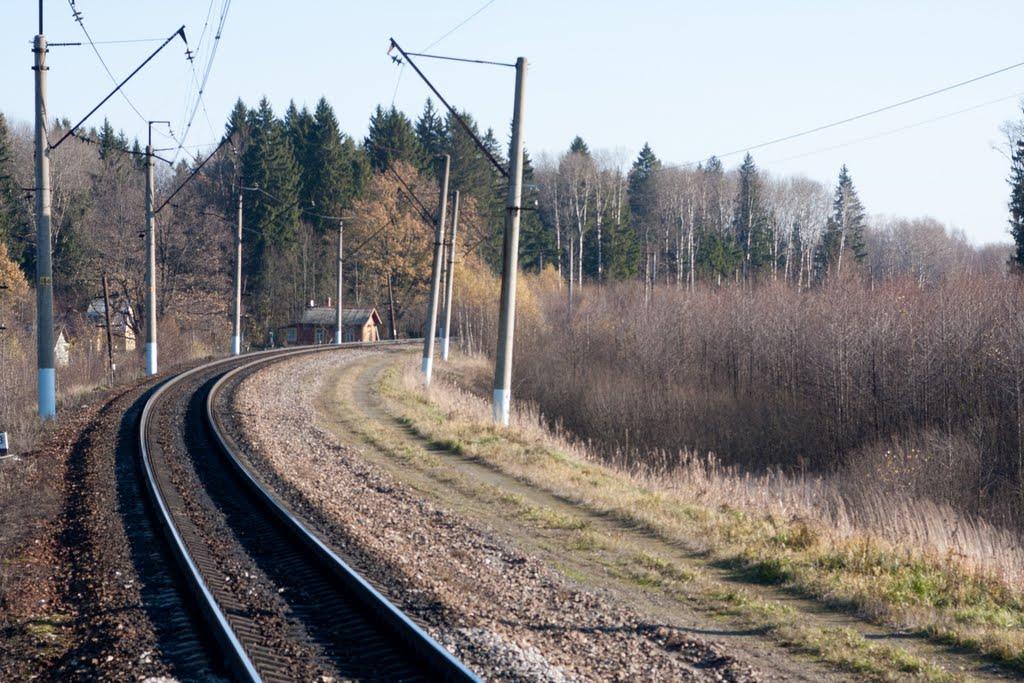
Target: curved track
280	603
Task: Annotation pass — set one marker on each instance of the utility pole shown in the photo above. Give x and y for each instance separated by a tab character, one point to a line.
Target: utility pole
450	284
435	288
507	316
151	348
110	341
391	308
340	314
236	330
44	249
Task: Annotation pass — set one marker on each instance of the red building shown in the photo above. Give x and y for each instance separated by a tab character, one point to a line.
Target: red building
318	324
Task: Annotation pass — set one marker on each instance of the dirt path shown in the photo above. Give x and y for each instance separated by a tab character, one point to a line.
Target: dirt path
626	564
503	612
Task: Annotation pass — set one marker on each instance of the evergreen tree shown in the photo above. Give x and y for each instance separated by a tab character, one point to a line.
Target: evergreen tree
330	166
578	146
15	219
642	195
430	132
536	242
299	126
844	230
1017	206
111	142
750	223
391	138
269	164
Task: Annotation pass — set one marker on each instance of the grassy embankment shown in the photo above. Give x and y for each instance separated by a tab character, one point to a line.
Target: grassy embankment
943	598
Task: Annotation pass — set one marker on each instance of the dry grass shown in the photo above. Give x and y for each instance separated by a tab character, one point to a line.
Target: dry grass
904	563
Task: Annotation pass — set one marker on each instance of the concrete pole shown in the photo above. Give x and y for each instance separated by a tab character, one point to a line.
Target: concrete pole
507	316
236	330
110	340
151	351
435	288
44	249
340	313
450	284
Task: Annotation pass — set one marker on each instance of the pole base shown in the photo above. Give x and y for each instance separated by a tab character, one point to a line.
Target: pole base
428	369
47	393
337	337
444	348
502	406
236	345
151	366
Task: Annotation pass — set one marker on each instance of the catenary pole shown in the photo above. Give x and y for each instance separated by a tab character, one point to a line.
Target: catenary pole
450	283
236	330
110	340
151	348
507	316
47	374
340	313
435	287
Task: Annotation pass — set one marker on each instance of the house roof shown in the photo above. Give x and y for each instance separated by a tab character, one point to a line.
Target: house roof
327	316
120	312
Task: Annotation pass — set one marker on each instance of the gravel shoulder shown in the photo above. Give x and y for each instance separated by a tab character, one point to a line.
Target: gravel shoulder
85	592
503	611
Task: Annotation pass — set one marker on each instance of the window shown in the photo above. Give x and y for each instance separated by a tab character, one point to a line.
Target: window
319	335
292	335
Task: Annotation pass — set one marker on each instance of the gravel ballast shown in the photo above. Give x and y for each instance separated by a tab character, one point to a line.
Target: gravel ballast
504	613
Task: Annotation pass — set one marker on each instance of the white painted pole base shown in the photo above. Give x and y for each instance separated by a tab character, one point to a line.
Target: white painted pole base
502	406
47	393
236	345
444	348
337	337
428	369
151	358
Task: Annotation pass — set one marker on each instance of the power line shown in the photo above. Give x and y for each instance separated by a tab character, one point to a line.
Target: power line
79	20
460	24
898	130
206	74
469	131
866	114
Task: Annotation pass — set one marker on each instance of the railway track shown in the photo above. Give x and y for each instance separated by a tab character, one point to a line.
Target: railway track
279	602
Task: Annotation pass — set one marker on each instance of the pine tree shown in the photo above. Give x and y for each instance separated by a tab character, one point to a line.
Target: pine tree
111	142
269	164
578	146
299	126
430	133
750	223
642	207
1017	206
844	230
331	185
15	219
391	138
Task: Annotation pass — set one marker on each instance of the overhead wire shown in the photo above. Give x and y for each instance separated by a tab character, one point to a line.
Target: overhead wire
899	130
866	114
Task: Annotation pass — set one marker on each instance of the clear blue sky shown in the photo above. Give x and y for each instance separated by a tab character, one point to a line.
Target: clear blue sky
691	78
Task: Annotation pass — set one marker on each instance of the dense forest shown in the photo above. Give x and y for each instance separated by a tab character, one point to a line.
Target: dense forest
645	257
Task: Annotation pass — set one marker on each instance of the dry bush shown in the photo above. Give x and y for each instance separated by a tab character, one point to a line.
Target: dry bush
885	388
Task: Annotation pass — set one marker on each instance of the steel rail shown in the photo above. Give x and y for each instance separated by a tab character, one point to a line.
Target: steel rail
435	659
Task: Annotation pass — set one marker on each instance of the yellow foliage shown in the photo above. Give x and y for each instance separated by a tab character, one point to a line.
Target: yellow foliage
10	274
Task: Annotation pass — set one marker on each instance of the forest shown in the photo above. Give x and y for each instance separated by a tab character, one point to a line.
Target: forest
770	320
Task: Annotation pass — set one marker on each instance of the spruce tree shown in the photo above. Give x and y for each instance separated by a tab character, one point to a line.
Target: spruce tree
642	207
330	165
578	146
750	223
299	126
391	138
15	220
430	133
1016	181
844	230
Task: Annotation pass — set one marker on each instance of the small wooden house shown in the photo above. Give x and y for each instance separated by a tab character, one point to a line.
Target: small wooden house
319	323
122	319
